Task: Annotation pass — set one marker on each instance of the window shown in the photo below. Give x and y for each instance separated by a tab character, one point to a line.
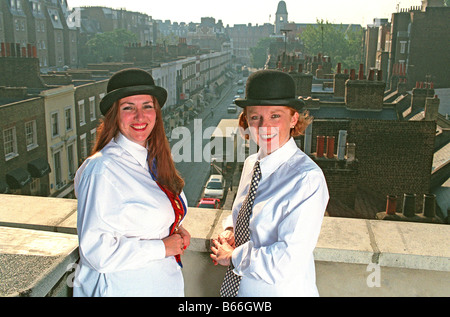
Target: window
57	165
402	47
30	135
10	143
83	145
68	115
71	161
35	186
81	113
93	138
92	108
54	124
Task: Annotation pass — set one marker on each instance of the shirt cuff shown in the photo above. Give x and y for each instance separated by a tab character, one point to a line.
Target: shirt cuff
239	258
156	249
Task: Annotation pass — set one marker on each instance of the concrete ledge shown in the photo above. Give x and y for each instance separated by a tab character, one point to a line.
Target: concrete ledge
35	253
38	213
34	261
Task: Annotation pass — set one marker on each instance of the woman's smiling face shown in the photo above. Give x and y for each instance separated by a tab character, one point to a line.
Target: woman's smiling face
270	125
137	117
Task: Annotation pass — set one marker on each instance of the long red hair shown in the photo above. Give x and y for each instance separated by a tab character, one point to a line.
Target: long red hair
158	145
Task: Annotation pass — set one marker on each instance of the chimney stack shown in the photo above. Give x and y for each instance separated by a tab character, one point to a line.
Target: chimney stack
432	108
339	80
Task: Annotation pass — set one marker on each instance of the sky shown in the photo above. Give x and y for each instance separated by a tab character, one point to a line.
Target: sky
258	11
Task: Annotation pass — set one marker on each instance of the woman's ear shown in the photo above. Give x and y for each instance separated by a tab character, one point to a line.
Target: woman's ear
294	119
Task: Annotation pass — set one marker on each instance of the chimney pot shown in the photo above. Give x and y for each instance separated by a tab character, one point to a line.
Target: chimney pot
338	68
409	205
330	147
351	152
342	140
320	145
361	72
391	204
380	75
429	205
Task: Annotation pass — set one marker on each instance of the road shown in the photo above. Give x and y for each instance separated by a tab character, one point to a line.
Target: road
195	170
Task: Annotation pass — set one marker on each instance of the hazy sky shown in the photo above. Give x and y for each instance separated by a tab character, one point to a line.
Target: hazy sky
258	11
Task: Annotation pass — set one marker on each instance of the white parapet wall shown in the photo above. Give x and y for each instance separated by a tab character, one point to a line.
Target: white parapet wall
354	257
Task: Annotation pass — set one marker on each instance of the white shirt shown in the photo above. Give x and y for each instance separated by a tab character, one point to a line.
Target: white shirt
285	224
122	218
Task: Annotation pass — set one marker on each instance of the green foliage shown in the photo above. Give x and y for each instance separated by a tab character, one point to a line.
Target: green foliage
259	53
342	44
109	46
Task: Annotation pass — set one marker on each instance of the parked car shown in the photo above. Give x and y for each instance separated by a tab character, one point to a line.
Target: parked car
214	187
211	203
232	108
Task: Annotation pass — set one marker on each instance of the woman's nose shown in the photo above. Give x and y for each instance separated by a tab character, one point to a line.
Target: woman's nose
139	114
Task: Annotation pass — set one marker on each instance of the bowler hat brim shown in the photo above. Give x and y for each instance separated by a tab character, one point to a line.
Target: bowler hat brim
297	104
158	92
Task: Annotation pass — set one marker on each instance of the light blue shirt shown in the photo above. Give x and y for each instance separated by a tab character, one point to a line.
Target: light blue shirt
122	218
285	224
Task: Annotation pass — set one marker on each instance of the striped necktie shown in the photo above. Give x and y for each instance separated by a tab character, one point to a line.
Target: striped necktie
230	285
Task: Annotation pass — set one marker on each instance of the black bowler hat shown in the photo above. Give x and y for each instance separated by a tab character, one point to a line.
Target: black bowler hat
130	82
270	88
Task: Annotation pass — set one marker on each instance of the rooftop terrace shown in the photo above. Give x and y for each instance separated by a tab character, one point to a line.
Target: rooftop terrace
354	257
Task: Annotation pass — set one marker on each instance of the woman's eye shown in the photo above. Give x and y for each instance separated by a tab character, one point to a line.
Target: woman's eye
254	118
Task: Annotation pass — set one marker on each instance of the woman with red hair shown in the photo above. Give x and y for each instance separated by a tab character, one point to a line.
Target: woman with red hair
130	198
270	237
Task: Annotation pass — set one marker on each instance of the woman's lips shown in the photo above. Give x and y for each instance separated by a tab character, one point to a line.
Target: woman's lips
139	127
267	136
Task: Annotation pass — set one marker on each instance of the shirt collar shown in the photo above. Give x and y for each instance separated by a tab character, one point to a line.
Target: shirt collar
271	162
137	151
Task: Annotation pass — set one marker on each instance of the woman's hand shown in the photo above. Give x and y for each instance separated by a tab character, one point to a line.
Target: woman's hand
228	235
178	242
174	245
185	235
222	251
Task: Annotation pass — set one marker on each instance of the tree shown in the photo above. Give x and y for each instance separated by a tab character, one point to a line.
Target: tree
259	53
109	46
342	44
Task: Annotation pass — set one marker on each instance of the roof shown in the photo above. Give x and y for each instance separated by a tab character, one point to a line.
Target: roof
281	9
339	111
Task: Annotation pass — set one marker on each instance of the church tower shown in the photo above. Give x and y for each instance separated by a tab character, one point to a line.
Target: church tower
281	17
